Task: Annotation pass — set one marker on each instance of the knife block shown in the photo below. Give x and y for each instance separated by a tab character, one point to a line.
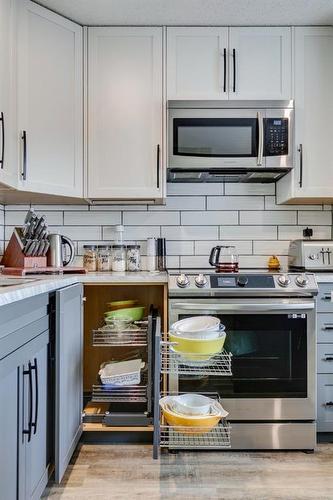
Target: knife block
14	256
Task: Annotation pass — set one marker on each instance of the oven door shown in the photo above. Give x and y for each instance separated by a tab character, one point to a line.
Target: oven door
208	138
273	365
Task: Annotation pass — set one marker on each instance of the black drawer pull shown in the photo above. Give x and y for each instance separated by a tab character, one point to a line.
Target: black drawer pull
326	296
329	403
29	373
329	358
327	326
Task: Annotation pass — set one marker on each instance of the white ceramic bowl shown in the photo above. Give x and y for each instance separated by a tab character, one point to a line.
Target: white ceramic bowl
191	404
200	335
196	324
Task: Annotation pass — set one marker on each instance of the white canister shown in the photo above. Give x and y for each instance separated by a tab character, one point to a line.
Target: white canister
133	257
118	258
151	254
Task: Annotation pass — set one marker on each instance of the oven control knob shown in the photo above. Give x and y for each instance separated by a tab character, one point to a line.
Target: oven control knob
313	256
301	280
183	281
284	280
242	281
201	281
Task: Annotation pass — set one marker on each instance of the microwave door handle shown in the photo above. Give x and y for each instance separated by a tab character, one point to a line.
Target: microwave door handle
260	138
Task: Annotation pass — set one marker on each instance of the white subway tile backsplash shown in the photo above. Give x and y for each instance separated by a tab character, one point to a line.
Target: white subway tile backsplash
211	217
151	218
270	204
92	218
195	218
248	232
181	203
270	247
190	233
135	233
180	247
249	189
204	247
296	232
191	189
314	218
268	217
235	203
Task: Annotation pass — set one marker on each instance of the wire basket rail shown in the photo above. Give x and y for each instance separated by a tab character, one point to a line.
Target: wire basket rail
179	438
173	362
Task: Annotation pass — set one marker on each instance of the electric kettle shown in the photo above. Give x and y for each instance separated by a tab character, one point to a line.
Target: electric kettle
224	259
57	254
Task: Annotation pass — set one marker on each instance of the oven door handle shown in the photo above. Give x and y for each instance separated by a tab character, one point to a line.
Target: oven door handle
244	307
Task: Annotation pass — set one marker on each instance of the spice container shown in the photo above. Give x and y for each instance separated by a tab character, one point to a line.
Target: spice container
133	257
90	258
103	259
118	258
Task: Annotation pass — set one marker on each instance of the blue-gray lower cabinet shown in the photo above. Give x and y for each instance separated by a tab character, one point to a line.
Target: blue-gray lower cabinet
69	376
23	409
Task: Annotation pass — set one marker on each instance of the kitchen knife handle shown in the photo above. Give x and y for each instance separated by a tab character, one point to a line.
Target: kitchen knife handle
2	120
24	153
158	166
234	69
300	150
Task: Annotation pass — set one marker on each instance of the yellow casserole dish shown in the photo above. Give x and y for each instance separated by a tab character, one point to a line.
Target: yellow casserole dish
191	424
197	347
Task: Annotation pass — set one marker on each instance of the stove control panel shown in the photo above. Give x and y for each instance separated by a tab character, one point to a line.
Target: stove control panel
201	282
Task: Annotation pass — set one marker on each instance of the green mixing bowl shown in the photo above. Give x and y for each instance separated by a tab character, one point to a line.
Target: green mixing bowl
135	313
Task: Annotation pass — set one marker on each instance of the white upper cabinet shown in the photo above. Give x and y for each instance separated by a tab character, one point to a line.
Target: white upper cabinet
50	102
260	63
125	111
229	63
197	63
8	157
312	177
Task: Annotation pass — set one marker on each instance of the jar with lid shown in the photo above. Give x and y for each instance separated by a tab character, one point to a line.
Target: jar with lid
90	258
118	258
133	257
103	258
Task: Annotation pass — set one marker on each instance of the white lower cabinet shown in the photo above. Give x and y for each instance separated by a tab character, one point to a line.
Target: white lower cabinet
50	102
311	179
125	114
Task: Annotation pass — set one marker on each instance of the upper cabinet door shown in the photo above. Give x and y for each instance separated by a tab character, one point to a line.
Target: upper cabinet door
50	102
312	178
197	63
125	103
260	63
8	157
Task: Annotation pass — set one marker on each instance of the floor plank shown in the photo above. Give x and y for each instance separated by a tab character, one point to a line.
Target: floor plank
116	472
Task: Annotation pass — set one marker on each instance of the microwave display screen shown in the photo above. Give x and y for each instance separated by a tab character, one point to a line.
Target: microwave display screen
215	137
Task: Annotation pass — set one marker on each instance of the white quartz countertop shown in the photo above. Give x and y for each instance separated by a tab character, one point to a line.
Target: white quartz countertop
46	284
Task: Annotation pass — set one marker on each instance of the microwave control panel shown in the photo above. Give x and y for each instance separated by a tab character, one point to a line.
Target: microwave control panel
276	136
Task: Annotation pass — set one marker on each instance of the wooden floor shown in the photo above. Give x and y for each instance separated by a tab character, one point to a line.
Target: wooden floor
129	472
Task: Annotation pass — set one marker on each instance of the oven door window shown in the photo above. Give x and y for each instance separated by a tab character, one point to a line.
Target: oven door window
215	137
269	358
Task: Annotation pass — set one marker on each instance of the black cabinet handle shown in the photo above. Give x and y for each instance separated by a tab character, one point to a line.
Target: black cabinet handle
24	170
29	373
158	166
35	368
326	296
327	326
300	150
329	403
328	358
2	120
224	70
234	69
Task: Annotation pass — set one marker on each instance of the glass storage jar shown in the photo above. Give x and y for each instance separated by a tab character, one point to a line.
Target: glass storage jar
118	258
133	257
90	258
103	259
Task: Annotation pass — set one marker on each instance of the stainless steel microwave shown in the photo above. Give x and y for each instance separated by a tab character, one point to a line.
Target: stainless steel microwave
244	141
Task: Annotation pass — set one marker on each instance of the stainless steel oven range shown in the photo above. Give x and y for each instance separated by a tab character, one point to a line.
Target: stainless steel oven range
271	333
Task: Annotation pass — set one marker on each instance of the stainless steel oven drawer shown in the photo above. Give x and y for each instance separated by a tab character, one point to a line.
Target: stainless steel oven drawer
325	358
325	403
325	327
324	303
